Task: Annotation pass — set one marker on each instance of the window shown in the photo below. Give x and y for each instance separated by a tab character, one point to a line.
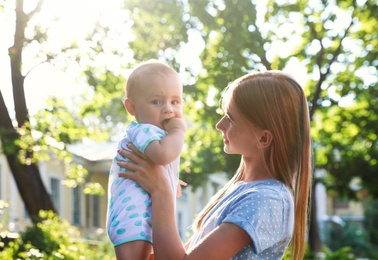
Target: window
96	210
340	203
76	212
55	192
25	211
1	181
184	194
199	199
215	187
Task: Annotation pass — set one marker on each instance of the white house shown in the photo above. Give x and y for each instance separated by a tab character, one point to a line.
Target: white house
88	212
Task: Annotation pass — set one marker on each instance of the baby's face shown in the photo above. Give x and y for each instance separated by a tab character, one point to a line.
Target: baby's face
157	99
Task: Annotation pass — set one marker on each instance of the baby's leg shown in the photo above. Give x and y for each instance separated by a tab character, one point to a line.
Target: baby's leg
136	250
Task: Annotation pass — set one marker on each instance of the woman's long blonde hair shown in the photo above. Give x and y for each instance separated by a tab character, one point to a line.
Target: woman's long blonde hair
274	101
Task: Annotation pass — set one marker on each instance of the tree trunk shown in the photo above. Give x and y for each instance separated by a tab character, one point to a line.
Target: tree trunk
26	176
314	237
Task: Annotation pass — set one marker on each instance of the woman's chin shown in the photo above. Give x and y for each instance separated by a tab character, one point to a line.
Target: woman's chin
227	150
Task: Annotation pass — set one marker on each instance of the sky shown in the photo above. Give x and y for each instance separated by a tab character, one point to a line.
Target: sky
78	17
43	79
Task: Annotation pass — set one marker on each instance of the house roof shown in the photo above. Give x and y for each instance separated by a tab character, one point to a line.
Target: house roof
94	151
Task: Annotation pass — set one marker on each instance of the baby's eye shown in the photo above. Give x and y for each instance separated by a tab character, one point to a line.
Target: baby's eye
156	102
175	102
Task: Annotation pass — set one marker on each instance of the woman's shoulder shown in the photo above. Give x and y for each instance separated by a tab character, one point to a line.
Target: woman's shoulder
271	187
265	183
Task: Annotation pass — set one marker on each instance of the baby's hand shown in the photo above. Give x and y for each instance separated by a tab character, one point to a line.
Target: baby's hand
174	123
179	190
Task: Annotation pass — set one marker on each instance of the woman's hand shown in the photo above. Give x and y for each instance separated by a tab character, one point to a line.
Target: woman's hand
150	176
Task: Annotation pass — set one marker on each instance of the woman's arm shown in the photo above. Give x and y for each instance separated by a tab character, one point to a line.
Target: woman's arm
222	243
153	179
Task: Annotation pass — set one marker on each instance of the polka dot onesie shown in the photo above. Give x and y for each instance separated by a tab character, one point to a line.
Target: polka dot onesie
129	206
264	209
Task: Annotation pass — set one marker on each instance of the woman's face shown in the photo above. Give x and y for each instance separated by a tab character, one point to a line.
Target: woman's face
239	135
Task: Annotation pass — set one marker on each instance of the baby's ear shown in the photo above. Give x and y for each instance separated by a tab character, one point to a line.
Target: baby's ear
129	105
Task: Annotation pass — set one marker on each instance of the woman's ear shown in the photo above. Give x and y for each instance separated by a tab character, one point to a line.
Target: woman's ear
266	139
129	105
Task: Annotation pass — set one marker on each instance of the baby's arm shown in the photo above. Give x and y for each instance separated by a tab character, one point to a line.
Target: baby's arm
169	147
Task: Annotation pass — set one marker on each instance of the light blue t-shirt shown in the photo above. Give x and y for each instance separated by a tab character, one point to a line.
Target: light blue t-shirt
264	209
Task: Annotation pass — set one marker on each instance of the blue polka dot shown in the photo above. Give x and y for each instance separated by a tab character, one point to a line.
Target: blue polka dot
135	215
146	130
121	192
115	223
127	199
146	215
114	217
121	231
142	234
147	203
144	192
138	223
131	207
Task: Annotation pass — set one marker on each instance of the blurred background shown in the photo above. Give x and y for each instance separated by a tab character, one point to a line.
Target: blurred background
63	68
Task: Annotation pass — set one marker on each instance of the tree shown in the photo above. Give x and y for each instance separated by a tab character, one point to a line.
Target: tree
102	112
26	172
55	122
332	44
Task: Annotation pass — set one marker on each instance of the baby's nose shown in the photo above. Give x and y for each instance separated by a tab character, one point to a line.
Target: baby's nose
168	108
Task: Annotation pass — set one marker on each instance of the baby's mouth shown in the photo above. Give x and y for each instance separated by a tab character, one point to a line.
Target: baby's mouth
165	121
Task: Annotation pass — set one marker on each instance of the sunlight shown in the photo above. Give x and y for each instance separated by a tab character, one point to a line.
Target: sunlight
46	81
67	22
70	21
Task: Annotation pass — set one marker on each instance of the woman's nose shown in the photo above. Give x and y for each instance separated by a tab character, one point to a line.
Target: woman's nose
218	125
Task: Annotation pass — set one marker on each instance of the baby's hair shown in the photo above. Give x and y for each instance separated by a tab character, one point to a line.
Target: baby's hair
144	72
274	101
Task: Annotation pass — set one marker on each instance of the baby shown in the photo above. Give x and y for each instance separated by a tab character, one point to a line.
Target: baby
154	97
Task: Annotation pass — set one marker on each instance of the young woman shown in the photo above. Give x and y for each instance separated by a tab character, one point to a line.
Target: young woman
264	206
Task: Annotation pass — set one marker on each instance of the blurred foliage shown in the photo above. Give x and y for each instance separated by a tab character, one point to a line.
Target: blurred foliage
76	175
371	223
348	146
332	45
54	238
350	235
323	39
343	253
4	217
